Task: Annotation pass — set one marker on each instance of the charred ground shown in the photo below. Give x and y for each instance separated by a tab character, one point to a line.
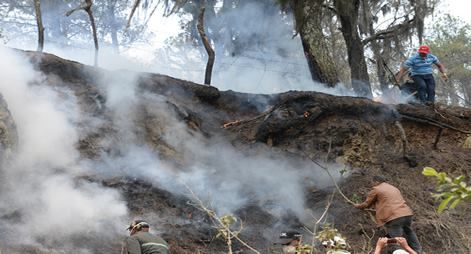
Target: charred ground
364	135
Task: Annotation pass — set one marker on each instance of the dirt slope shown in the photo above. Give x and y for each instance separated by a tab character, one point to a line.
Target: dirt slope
365	135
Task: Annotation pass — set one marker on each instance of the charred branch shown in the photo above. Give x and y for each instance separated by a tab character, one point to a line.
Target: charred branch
402	133
437	138
432	122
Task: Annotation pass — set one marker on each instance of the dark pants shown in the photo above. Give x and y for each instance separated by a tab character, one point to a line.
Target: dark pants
402	226
425	87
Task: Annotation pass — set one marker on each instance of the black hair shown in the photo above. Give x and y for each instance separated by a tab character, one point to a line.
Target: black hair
380	178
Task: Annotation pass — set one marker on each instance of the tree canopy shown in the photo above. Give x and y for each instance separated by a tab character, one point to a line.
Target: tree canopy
353	42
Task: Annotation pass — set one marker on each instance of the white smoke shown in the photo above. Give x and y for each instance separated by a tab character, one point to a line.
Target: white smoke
40	184
218	173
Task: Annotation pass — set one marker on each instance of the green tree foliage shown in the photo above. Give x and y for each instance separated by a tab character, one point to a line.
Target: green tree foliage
449	191
451	42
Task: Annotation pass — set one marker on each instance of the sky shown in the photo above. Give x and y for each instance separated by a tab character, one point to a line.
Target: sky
459	8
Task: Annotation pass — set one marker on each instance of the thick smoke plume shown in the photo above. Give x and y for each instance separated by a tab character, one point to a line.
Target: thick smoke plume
42	187
42	196
217	172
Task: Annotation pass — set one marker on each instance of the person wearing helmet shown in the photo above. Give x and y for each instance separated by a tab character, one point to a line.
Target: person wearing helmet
420	66
141	241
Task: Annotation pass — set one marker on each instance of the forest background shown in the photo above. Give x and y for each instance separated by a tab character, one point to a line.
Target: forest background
266	46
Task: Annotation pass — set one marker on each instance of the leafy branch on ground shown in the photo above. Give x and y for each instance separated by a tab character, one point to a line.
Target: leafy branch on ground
450	191
223	224
316	224
331	238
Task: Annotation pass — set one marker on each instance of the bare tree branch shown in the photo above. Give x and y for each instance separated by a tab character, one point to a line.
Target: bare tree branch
87	7
82	6
134	7
330	176
217	220
388	32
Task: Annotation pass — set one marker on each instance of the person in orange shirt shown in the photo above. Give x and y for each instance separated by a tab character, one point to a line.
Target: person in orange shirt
392	212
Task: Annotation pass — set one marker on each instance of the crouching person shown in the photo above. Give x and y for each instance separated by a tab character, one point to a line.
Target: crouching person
141	241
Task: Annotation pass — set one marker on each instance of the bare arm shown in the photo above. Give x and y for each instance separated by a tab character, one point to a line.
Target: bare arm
441	68
400	74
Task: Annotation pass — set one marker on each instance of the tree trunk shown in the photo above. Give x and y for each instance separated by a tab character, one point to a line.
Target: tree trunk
347	12
88	9
308	17
56	25
134	8
207	46
39	21
87	6
464	83
113	27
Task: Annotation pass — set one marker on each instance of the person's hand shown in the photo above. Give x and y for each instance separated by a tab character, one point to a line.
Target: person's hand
402	241
444	77
382	242
404	245
396	81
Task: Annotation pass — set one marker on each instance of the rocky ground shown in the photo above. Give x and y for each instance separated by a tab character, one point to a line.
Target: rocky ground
368	137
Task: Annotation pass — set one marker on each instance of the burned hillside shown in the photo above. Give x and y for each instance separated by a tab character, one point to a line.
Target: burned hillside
253	155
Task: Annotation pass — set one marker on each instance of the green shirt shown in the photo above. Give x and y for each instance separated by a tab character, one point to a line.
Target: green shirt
146	243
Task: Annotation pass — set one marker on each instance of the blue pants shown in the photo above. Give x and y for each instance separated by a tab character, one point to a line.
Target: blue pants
402	226
425	87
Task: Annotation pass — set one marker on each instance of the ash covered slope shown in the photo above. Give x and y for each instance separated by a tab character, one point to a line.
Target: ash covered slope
149	137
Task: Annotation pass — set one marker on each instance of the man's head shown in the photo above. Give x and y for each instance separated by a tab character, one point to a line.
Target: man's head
138	225
377	179
424	50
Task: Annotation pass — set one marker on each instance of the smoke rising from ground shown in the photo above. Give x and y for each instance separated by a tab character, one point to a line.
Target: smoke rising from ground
218	173
42	181
41	195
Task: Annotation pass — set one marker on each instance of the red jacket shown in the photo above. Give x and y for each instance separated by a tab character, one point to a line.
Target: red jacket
388	203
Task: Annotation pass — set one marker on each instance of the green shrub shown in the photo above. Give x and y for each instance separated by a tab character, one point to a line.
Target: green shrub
449	191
